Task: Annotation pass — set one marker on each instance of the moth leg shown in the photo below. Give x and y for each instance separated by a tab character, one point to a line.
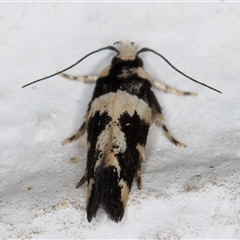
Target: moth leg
160	121
168	89
82	180
85	79
138	178
138	171
77	135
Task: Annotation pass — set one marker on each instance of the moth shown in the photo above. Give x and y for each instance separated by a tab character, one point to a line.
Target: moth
117	121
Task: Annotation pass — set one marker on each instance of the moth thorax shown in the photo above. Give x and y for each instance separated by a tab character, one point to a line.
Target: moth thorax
127	52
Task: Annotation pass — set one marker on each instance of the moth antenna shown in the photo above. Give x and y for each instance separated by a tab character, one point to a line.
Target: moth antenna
194	80
101	49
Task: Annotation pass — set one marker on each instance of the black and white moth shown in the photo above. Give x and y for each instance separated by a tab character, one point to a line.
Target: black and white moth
117	122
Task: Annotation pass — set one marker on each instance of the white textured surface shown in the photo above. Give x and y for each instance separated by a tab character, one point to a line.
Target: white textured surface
187	193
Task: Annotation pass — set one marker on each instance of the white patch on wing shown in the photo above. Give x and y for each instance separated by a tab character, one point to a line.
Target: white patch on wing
112	161
111	140
103	138
115	104
124	191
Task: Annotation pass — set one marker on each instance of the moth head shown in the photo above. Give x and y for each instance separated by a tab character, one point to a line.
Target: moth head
126	52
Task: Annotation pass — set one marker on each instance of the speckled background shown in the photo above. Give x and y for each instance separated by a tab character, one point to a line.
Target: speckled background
186	193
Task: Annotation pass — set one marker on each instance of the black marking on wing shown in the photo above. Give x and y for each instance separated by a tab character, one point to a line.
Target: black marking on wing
96	125
136	132
93	203
110	192
131	82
